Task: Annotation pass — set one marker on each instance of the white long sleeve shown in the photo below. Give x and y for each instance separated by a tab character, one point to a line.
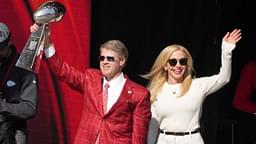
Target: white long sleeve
182	114
50	51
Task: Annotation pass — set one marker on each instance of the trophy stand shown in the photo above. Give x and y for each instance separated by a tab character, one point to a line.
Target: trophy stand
32	51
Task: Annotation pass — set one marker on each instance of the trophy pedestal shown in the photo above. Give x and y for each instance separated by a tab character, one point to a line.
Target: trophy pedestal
32	50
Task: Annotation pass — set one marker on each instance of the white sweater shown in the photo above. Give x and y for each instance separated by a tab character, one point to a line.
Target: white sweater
182	114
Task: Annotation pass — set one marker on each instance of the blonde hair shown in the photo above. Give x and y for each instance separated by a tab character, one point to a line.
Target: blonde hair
116	46
158	76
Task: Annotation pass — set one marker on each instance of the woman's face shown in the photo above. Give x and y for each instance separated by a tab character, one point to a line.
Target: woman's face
176	67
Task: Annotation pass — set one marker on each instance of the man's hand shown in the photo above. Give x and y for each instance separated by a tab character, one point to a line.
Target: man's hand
34	27
46	37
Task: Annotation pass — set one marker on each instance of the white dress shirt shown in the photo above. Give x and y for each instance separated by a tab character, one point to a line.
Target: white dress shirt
115	88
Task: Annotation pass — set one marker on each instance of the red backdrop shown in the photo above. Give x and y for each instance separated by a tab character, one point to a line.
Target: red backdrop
59	107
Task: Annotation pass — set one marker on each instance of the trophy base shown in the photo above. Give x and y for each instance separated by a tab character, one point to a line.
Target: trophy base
32	50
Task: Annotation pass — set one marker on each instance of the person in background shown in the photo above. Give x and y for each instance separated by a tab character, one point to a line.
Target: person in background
116	110
18	93
245	102
177	96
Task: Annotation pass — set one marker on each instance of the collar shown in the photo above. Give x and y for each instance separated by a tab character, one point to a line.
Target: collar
115	82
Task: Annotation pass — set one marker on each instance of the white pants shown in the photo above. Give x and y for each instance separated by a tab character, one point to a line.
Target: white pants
186	139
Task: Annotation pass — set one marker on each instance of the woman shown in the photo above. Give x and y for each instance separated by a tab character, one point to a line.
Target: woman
177	97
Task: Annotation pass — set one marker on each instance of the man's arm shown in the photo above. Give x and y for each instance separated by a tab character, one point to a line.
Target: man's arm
26	106
141	118
61	69
245	87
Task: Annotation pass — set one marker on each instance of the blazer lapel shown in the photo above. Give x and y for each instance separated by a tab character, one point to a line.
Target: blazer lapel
125	96
98	97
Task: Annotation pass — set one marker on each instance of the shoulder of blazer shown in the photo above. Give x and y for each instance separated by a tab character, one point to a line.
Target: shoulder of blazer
93	74
23	74
135	86
93	71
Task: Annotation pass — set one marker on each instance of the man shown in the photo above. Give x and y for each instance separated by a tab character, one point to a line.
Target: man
121	119
245	103
18	93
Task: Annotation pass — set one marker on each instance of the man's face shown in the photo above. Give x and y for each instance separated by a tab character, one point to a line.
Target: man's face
111	63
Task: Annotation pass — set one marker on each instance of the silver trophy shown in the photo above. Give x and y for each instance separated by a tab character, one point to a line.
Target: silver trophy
31	55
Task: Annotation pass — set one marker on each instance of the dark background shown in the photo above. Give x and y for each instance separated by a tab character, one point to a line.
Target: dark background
146	27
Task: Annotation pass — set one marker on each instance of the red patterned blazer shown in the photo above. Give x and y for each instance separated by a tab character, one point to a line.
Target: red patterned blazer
125	123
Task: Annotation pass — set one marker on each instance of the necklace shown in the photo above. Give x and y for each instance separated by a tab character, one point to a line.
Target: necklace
173	89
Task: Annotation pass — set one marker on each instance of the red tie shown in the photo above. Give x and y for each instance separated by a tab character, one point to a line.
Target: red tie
105	102
105	97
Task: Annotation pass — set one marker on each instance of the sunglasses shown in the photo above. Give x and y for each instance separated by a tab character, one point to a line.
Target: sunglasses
109	58
182	61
